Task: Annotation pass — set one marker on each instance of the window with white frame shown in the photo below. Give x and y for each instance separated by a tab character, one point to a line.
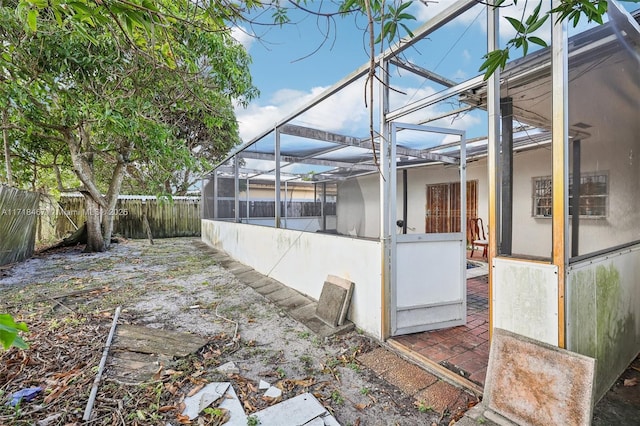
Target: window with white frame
594	193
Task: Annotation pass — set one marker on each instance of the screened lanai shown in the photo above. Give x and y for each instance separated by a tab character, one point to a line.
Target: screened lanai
327	145
389	184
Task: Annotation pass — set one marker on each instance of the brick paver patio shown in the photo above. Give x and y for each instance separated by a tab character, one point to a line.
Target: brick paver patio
464	349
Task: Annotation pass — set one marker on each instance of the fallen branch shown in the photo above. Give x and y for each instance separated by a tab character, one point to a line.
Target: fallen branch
235	333
99	289
96	382
61	304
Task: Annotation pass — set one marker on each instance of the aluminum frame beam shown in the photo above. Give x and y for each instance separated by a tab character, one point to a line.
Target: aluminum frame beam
430	26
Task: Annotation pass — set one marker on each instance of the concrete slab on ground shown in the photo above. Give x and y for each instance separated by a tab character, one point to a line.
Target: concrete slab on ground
294	302
227	262
408	377
238	268
249	276
477	416
307	315
269	288
533	383
263	281
530	383
212	392
379	360
282	294
300	410
335	300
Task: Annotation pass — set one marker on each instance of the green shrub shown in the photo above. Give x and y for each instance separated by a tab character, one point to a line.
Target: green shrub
9	332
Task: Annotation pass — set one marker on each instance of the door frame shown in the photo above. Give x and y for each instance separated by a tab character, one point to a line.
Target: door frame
393	309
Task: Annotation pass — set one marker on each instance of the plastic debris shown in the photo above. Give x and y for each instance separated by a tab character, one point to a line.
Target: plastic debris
23	395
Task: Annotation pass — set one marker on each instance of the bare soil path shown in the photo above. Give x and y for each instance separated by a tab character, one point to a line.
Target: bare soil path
68	298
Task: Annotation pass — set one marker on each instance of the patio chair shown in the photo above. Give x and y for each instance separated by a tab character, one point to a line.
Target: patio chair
477	239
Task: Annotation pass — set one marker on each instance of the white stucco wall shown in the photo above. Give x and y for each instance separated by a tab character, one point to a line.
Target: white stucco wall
358	204
358	199
622	224
302	261
532	236
525	298
358	207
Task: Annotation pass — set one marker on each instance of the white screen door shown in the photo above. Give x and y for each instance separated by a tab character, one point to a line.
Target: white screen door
428	278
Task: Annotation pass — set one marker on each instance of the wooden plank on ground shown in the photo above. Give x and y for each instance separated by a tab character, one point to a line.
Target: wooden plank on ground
142	339
138	352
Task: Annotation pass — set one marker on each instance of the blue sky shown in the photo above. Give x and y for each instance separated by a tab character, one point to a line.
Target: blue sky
297	62
294	64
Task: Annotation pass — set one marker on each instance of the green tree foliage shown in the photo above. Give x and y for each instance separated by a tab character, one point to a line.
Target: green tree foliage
9	330
146	86
572	11
390	17
123	95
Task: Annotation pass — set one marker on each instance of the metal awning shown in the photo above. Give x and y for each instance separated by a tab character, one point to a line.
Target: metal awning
310	153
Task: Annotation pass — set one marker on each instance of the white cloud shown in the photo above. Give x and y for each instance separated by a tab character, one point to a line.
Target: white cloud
243	36
345	112
342	112
256	118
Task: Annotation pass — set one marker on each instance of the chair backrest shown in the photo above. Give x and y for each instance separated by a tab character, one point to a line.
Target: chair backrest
476	229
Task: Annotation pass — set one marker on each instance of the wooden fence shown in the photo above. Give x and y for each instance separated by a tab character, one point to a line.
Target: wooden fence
19	211
259	209
177	218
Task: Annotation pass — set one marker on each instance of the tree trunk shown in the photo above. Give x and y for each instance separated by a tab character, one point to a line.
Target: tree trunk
56	170
99	226
95	240
112	201
78	237
7	151
34	179
82	159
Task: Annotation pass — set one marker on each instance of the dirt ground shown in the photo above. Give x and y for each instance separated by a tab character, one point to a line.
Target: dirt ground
68	299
